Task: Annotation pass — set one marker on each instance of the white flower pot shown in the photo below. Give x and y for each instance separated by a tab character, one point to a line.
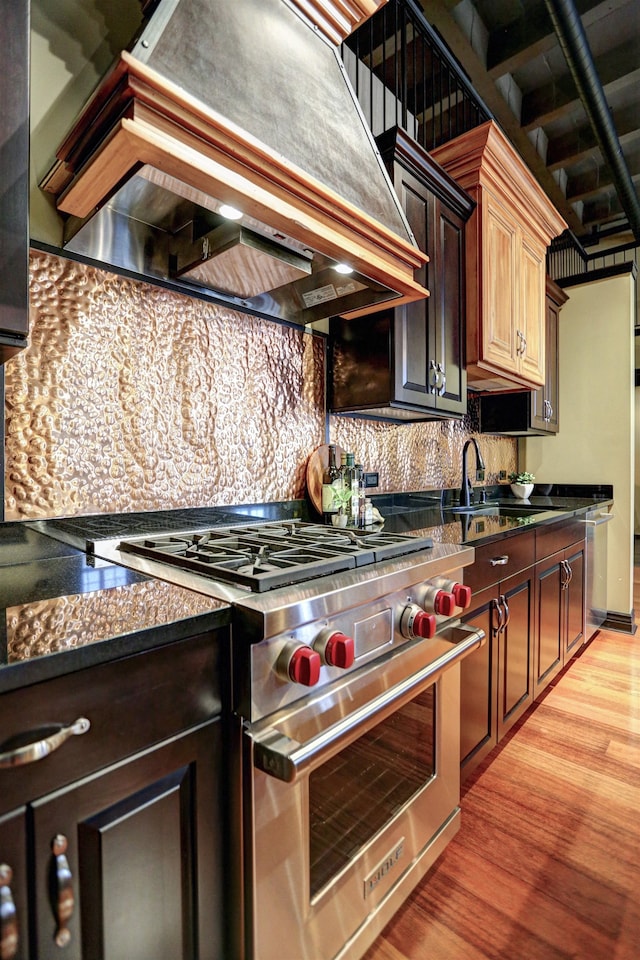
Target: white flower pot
522	490
339	519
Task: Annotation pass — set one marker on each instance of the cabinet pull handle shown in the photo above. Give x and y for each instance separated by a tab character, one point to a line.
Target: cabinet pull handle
9	937
507	612
568	574
499	561
496	608
443	380
434	367
64	899
42	748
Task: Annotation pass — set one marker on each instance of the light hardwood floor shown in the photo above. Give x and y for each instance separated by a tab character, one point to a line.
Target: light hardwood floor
546	865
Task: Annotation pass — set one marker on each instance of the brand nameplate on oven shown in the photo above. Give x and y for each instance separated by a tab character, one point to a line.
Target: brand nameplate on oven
373	632
384	868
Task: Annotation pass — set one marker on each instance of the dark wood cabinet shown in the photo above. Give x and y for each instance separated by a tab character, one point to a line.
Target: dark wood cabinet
14	178
534	620
530	413
141	855
408	363
119	833
14	931
561	612
497	680
478	686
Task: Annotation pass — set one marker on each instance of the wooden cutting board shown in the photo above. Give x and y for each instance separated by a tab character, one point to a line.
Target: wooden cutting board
316	465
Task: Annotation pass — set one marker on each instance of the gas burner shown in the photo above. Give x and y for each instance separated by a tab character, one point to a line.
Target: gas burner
265	556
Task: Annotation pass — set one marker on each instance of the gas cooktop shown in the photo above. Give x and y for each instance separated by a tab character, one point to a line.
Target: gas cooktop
85	532
268	555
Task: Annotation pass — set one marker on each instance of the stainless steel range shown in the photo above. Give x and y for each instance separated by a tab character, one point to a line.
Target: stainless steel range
346	650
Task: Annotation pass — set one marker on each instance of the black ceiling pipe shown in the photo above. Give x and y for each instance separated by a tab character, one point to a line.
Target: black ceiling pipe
575	46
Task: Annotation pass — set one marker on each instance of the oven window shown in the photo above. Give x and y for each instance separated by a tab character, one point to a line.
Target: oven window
356	793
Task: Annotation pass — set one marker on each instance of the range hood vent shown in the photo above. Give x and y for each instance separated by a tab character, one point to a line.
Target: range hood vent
247	105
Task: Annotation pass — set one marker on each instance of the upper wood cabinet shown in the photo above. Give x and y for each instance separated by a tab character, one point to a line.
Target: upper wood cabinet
534	412
544	402
506	242
408	363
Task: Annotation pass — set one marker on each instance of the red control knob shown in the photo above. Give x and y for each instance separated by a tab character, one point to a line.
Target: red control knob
304	666
424	625
462	595
414	623
444	603
339	650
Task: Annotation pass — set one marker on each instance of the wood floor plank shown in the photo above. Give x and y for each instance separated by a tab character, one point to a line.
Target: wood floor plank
546	864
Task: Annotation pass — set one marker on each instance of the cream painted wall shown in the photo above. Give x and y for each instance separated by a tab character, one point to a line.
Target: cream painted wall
636	526
596	440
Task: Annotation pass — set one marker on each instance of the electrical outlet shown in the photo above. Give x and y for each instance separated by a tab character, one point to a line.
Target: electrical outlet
502	475
479	474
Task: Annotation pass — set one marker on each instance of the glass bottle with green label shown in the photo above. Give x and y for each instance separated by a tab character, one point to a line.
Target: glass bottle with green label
331	481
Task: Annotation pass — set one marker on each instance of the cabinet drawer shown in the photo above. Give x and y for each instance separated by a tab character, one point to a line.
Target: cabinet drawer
519	552
558	536
131	704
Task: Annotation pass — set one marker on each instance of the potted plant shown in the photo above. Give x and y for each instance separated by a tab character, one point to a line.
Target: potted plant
522	484
341	498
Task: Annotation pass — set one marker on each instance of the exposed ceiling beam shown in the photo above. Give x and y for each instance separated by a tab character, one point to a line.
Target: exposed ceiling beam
532	34
580	143
439	16
617	69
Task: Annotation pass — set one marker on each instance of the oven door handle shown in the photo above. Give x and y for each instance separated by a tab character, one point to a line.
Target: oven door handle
286	759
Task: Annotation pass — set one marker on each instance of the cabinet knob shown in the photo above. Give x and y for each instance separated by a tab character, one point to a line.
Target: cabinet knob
9	937
63	891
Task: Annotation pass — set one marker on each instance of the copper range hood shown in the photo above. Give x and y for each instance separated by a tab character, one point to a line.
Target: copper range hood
243	104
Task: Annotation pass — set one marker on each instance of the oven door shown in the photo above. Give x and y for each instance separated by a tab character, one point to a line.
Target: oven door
350	798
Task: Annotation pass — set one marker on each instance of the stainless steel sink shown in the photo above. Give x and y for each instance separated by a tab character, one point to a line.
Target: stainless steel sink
498	510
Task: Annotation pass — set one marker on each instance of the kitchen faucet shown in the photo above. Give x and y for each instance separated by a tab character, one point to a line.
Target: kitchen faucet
466	490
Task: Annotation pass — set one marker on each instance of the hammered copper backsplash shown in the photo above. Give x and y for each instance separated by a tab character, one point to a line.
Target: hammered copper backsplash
133	397
418	456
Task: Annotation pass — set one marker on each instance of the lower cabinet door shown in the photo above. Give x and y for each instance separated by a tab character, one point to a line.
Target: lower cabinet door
515	649
14	926
127	861
550	620
574	599
478	685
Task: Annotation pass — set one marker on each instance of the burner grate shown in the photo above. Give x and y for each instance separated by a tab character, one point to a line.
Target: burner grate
271	555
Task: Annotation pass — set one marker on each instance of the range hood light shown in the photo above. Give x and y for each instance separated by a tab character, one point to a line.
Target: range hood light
343	268
229	213
249	119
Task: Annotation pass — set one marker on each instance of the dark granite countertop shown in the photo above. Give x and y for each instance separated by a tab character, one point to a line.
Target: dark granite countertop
429	513
61	611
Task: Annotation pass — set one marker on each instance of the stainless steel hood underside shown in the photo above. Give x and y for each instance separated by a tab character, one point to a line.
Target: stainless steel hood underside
246	104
